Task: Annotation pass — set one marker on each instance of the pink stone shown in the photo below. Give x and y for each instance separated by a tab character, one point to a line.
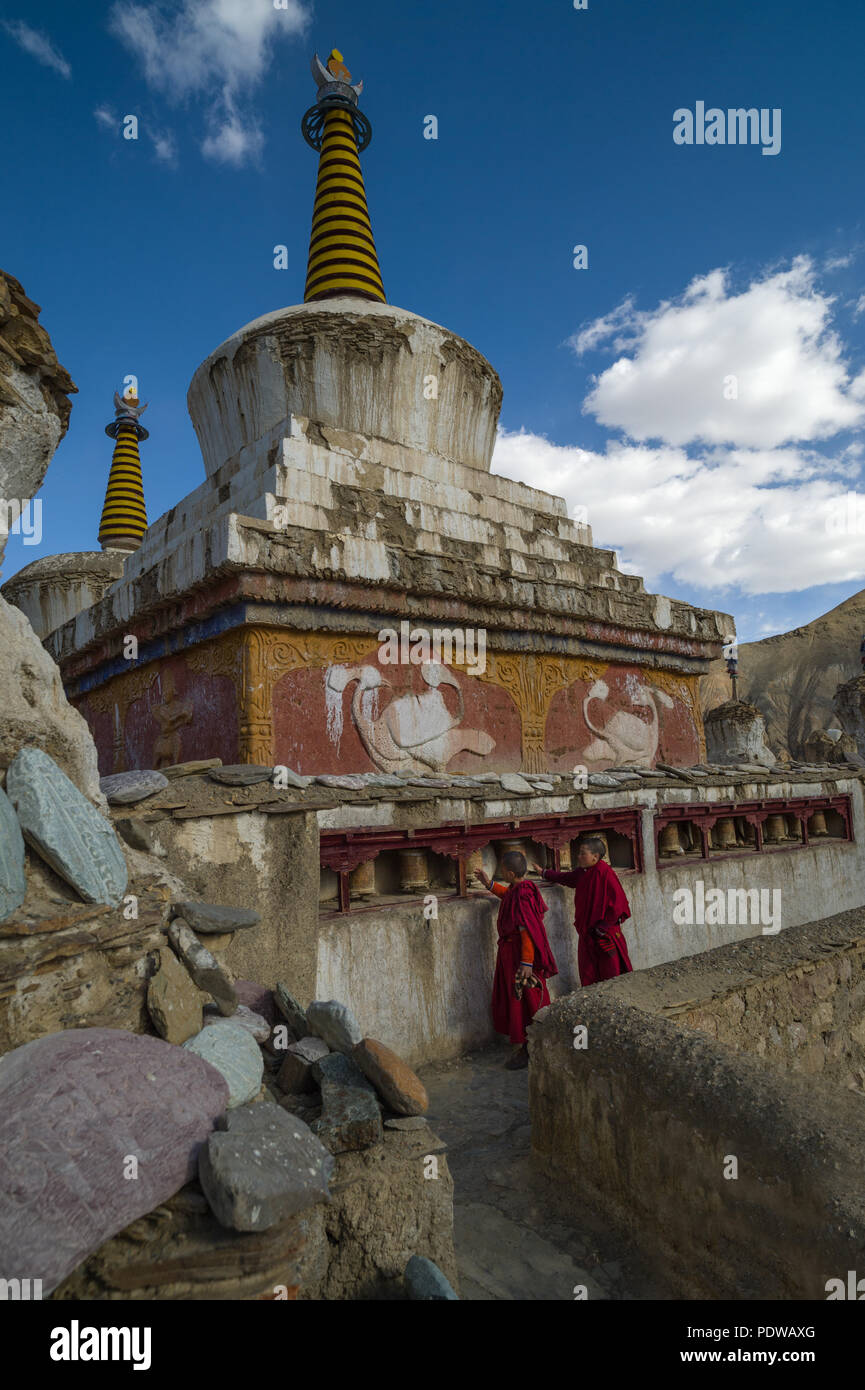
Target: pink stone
76	1109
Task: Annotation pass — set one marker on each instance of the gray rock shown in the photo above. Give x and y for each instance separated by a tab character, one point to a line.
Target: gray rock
13	881
236	1056
212	918
295	1075
124	788
33	704
243	1017
291	1011
433	782
335	1023
136	833
424	1281
513	782
406	1122
346	781
64	829
335	1069
173	1001
75	1108
262	1166
382	779
284	777
240	774
601	779
350	1118
204	968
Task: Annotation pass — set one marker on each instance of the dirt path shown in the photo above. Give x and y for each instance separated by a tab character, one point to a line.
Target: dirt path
509	1245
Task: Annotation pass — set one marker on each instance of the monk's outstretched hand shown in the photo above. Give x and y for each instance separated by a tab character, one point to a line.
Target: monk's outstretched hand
536	868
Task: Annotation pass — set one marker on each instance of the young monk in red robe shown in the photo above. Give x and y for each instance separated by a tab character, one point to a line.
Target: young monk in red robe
600	907
524	955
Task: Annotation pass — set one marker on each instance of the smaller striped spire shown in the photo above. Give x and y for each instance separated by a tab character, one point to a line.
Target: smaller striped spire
124	516
342	254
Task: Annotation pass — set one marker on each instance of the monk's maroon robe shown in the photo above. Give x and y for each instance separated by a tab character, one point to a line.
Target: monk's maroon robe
599	901
521	906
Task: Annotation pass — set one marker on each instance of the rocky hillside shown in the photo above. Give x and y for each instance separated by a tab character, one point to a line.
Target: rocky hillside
792	678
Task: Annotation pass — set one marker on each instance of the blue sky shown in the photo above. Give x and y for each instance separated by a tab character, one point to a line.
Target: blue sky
705	262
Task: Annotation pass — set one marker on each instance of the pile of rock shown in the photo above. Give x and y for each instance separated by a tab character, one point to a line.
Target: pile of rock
347	1087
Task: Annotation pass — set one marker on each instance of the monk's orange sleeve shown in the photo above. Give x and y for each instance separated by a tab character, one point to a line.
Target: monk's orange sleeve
527	948
498	889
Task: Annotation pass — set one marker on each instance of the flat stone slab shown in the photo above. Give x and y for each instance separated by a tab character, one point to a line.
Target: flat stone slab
284	776
236	1056
213	918
346	781
190	769
64	829
173	1001
328	1019
243	1017
425	1281
262	1166
399	1087
406	1122
124	788
13	880
79	1112
513	782
204	968
601	779
240	774
291	1011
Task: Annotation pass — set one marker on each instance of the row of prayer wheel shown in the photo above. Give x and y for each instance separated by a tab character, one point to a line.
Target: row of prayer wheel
735	832
413	866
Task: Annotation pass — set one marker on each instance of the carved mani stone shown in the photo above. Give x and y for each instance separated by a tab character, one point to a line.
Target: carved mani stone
64	829
97	1127
13	882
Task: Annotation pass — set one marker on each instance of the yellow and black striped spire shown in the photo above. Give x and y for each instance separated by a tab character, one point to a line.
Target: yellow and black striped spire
124	517
342	254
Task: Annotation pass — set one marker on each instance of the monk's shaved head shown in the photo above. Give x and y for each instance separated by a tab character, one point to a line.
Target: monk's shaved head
515	860
594	844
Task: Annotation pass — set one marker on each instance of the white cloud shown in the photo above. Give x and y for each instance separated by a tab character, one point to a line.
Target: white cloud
164	146
773	337
766	521
39	46
219	49
106	118
859	306
233	143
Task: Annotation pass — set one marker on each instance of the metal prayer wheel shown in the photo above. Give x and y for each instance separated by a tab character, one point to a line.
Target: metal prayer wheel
817	824
474	865
793	829
600	835
749	835
776	830
361	882
504	846
725	833
413	871
669	842
565	863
